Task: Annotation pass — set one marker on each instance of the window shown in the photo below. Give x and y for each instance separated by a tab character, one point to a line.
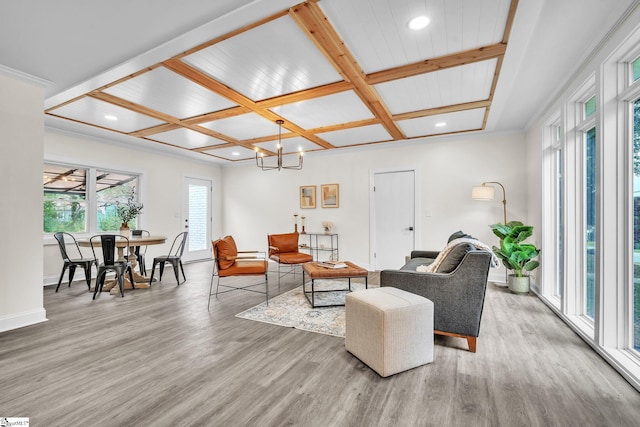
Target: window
73	206
111	189
559	212
65	199
635	115
635	69
590	223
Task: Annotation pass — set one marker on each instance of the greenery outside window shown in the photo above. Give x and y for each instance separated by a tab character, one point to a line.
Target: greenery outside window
65	199
635	69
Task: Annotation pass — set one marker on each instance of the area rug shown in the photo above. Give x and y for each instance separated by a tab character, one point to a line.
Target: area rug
292	309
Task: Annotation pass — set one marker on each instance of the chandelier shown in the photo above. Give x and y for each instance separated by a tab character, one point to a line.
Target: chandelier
279	165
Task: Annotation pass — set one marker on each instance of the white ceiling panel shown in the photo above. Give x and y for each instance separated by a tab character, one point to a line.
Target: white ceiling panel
377	34
186	138
290	145
453	122
328	110
267	61
471	82
245	126
91	110
232	153
167	92
359	135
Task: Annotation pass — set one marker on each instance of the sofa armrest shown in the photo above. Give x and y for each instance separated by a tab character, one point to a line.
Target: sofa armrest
424	254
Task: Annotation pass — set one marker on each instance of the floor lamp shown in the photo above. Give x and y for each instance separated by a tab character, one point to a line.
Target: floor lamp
484	192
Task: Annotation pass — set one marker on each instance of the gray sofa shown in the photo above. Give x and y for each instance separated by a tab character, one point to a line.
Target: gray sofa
457	289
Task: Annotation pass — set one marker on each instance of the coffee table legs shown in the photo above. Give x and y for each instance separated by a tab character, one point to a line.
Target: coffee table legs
310	296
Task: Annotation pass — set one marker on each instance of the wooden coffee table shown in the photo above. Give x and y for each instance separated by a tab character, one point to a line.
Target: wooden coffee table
316	271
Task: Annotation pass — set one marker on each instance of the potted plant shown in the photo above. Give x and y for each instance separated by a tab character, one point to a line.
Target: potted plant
516	255
128	211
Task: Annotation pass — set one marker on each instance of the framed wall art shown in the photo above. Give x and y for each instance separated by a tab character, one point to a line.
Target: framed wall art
330	195
307	197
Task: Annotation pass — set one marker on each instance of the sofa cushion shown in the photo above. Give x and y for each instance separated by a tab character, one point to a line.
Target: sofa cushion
453	258
413	263
459	235
227	249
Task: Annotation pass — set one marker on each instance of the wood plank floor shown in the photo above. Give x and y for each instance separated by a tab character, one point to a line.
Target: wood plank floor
157	357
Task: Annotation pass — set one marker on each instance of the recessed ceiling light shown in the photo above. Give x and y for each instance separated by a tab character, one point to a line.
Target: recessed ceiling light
441	124
110	117
419	22
235	153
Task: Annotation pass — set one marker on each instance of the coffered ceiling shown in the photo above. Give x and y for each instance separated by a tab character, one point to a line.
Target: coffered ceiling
339	74
208	79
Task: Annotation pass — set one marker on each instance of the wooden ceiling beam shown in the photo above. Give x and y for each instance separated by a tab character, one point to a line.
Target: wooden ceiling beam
221	89
436	64
443	110
303	95
132	106
315	24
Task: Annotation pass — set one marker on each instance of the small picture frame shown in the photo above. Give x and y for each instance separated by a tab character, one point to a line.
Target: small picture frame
307	197
330	195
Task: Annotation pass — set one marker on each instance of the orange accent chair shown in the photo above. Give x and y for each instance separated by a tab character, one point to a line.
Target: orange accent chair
229	262
283	248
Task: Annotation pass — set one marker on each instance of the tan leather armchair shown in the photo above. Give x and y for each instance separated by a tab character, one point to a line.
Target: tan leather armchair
283	249
229	261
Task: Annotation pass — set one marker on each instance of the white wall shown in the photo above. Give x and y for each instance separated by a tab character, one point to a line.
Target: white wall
257	203
161	186
21	141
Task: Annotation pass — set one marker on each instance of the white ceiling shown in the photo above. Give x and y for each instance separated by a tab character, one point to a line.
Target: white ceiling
85	46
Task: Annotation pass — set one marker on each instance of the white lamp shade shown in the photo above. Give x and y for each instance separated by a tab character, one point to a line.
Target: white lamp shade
482	193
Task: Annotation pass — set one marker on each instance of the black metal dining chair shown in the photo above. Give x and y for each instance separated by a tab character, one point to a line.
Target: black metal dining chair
174	257
110	261
141	251
73	259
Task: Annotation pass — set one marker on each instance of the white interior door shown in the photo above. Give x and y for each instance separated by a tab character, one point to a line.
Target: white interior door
196	218
393	218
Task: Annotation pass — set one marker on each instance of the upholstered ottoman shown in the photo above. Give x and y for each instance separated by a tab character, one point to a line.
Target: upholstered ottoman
389	329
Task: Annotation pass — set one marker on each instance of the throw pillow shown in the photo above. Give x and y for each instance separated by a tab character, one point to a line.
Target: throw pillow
226	248
454	257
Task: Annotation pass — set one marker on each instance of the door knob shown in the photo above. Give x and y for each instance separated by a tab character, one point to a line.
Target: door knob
410	229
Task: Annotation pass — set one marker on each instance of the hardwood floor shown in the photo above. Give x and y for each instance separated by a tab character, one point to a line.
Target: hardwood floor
157	357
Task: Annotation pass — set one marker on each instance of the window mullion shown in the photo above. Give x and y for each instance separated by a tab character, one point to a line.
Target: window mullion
91	202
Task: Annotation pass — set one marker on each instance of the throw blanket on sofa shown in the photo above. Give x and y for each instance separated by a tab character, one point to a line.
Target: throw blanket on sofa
433	267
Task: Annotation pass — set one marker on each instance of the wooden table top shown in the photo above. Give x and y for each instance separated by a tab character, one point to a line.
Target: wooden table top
133	241
316	271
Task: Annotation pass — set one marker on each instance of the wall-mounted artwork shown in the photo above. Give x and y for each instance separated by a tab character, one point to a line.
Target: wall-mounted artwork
330	195
307	197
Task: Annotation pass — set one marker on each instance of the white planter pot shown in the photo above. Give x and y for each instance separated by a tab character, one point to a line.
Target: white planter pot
519	285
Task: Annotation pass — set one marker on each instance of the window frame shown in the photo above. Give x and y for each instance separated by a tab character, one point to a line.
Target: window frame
91	198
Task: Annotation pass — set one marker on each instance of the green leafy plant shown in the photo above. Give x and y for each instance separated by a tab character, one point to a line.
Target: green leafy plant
516	255
130	210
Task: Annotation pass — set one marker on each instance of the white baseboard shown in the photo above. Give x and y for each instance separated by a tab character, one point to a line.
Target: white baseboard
20	320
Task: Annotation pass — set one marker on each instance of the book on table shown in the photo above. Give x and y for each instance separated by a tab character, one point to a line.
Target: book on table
332	264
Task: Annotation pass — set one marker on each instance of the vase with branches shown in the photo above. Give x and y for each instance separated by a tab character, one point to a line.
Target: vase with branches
129	210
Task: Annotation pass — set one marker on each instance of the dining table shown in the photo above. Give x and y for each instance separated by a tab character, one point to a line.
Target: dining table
140	281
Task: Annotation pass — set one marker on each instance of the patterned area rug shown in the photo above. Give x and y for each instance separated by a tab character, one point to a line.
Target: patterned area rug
292	309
